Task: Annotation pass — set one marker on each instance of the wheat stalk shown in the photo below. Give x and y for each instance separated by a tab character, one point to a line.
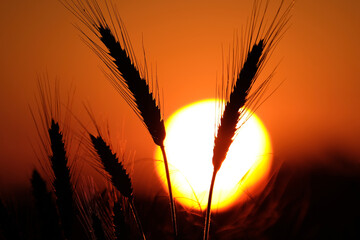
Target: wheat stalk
260	45
62	180
119	178
230	118
126	77
53	142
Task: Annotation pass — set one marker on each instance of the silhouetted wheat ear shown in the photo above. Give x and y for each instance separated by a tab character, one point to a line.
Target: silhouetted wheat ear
238	97
259	46
144	101
261	41
232	113
119	178
45	207
62	180
118	56
125	75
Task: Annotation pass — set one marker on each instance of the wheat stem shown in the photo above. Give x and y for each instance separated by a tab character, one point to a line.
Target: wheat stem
171	198
208	209
136	217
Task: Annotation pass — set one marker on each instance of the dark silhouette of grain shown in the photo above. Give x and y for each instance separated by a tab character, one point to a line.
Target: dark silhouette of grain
260	44
119	178
46	208
231	116
238	97
62	180
118	56
145	104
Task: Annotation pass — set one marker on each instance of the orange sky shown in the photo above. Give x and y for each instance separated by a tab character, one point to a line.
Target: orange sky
316	106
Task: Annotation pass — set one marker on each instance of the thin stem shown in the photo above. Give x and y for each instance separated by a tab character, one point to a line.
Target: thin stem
172	204
208	209
137	219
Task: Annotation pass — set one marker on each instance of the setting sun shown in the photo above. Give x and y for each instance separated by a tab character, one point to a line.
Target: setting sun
189	144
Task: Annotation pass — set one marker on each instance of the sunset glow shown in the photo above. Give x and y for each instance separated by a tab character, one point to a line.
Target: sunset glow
189	145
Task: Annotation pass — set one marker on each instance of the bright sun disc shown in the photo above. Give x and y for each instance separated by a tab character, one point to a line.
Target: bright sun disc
189	146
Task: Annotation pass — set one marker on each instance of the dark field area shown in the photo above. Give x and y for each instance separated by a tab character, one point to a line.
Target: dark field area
318	201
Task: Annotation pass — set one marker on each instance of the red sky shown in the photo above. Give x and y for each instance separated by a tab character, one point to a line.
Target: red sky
315	107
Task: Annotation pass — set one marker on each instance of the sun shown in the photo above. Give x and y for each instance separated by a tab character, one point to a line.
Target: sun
189	145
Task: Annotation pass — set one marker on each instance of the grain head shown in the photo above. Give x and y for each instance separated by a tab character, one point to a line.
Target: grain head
117	173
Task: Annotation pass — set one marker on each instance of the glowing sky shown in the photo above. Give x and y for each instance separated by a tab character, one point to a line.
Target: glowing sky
315	107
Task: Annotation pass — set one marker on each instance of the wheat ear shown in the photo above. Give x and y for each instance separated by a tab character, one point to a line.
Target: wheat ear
260	45
229	120
126	77
145	104
118	56
62	180
119	178
45	208
238	97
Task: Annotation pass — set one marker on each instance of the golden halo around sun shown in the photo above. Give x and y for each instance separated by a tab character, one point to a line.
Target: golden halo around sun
189	146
